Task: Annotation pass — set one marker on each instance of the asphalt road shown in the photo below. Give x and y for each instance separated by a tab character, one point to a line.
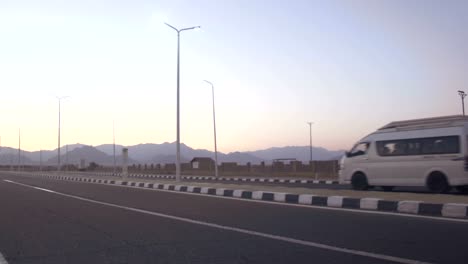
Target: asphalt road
38	226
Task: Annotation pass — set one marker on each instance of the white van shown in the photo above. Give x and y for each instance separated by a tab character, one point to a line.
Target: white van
431	152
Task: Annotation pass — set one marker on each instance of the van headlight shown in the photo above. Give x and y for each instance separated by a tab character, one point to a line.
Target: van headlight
341	164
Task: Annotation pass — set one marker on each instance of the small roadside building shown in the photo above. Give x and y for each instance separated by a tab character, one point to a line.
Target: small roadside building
202	163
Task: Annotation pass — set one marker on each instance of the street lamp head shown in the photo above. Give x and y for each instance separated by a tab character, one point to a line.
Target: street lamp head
183	29
208	82
190	28
62	97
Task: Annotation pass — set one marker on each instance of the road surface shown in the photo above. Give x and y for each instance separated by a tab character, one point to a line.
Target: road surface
71	222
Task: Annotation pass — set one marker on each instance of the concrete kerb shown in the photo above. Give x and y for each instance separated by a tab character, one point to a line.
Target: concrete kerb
450	210
238	179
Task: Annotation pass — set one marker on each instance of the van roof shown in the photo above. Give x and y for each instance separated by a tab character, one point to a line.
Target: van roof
441	121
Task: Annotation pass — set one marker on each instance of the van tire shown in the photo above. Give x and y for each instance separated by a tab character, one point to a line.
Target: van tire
387	188
359	181
462	189
437	183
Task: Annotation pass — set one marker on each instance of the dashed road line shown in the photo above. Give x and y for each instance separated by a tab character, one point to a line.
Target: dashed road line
2	259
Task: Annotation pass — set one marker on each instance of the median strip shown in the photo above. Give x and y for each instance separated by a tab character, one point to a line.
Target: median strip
229	179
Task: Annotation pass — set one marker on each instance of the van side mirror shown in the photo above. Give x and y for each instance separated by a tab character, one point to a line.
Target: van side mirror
347	154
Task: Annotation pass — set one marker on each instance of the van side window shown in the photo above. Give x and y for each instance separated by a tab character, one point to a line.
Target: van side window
419	146
442	145
359	149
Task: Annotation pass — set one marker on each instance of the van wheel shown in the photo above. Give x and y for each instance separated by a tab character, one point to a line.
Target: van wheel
387	188
437	183
359	181
462	189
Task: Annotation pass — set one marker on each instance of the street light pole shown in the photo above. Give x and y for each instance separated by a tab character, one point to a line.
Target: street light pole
19	149
214	128
178	100
66	157
113	145
462	96
58	159
311	149
310	141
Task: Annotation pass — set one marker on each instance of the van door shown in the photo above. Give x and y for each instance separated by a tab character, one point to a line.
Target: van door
392	163
357	159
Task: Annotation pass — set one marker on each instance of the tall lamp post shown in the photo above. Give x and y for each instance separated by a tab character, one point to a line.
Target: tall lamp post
19	149
462	96
214	129
113	147
66	157
178	105
310	145
58	159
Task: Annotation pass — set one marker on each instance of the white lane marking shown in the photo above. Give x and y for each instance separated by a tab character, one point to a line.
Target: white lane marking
42	189
363	210
239	230
2	259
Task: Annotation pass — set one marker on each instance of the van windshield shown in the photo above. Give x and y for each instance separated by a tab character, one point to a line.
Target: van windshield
359	149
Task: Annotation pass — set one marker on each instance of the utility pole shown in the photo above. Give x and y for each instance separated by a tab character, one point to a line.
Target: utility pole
214	129
462	96
113	140
58	157
19	149
66	157
311	150
12	154
310	140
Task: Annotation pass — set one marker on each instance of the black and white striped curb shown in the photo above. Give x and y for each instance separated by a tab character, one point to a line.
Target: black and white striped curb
267	180
211	178
453	210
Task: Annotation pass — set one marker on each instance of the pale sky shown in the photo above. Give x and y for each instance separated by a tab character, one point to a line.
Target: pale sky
350	66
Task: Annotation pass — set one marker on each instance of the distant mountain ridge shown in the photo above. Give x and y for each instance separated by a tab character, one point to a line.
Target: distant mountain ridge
301	153
159	153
